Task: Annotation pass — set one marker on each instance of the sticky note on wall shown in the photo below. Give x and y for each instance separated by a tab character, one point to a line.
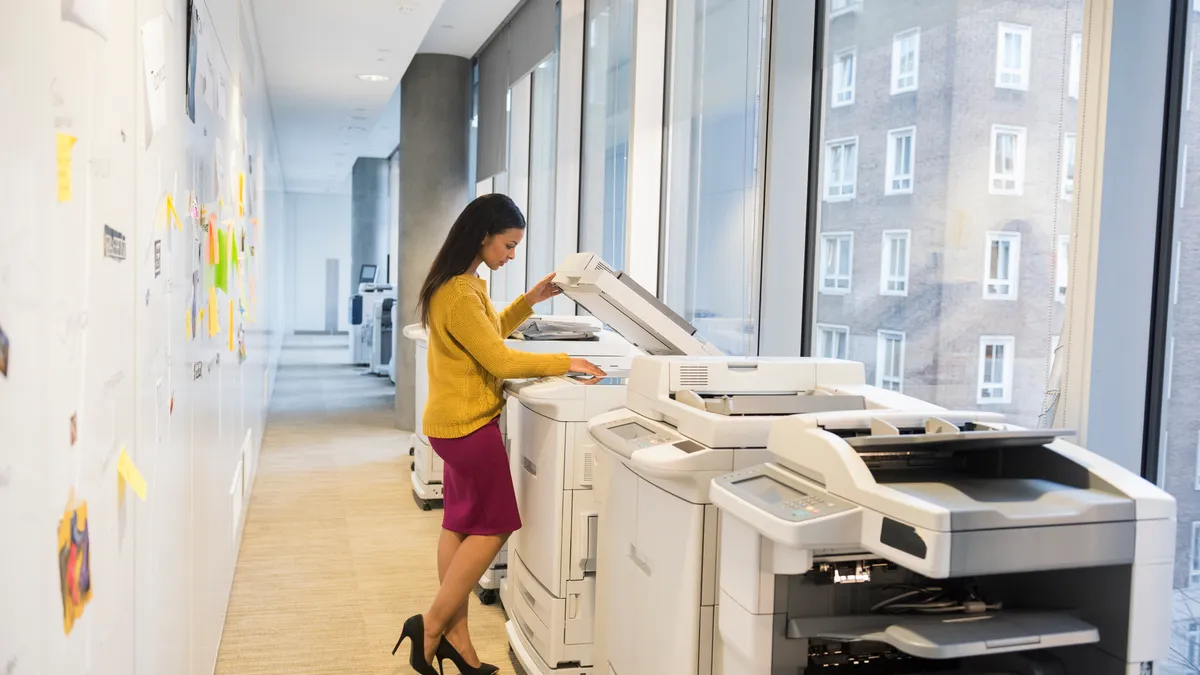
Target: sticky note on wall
65	143
214	325
231	325
222	264
128	474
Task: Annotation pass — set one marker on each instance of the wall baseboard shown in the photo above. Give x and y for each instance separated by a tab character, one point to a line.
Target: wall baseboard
320	332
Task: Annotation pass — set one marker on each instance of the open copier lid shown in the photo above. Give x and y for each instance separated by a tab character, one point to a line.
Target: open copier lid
628	309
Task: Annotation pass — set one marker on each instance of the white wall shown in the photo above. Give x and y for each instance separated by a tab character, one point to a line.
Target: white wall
318	229
104	339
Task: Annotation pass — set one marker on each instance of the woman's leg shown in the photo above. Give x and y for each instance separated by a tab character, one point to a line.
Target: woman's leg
456	630
466	567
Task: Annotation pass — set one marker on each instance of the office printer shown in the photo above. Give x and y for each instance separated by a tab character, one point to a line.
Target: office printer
940	542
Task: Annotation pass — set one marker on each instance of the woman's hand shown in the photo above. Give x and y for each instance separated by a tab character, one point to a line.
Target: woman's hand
543	291
587	368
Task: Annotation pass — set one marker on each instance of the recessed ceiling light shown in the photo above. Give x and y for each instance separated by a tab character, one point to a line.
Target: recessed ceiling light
406	9
354	129
448	26
374	78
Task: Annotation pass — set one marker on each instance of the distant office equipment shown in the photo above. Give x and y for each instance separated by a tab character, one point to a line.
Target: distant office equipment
367	274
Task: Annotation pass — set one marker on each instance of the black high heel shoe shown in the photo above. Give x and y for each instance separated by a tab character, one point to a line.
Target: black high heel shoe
414	630
445	650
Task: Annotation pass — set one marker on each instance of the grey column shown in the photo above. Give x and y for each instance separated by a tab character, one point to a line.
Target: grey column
368	218
435	110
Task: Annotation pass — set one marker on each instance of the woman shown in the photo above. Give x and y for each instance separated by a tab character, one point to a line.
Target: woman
468	363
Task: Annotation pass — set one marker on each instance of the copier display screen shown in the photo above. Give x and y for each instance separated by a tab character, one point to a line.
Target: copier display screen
769	490
631	431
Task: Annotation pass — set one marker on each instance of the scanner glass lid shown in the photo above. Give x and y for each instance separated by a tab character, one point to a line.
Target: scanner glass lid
628	324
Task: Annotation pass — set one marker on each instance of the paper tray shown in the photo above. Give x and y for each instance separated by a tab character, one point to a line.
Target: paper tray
953	636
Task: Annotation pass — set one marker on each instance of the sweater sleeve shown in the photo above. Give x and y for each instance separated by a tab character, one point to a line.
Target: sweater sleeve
470	326
513	315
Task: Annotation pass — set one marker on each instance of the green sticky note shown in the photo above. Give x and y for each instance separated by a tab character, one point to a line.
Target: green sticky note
222	266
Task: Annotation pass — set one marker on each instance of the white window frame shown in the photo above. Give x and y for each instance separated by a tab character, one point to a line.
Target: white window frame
852	169
889	185
1076	62
833	329
1197	481
1022	73
1068	171
990	279
1193	643
1181	180
839	7
1018	174
897	41
881	340
835	88
1009	343
1062	258
1194	570
848	239
886	278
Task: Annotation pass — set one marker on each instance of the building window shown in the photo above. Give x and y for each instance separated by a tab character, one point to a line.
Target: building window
1075	64
840	7
1197	481
906	60
1002	265
894	263
835	341
889	360
1012	56
1068	163
1193	643
1008	160
845	65
1194	578
837	260
996	356
841	169
1062	267
901	145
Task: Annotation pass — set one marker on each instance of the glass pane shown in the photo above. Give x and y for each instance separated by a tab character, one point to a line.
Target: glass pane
606	125
1179	449
712	198
543	129
970	133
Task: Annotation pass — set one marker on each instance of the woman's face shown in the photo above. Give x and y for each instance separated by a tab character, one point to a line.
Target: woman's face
498	249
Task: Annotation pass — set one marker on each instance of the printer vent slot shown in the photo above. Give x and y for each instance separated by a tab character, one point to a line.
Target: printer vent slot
589	465
693	376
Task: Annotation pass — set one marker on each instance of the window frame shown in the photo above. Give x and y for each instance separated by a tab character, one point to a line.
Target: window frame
1018	175
826	174
844	331
1014	261
823	278
890	177
1069	147
897	57
1007	383
1194	568
1075	63
1062	267
885	258
1003	29
850	7
836	79
881	340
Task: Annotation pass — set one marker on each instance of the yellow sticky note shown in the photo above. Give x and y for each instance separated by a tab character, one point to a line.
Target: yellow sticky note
187	325
129	474
63	153
172	214
214	323
231	325
241	194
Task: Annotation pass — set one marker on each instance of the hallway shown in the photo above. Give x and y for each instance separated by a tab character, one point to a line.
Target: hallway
335	554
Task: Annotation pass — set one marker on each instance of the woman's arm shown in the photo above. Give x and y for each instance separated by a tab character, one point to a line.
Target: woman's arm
470	326
514	314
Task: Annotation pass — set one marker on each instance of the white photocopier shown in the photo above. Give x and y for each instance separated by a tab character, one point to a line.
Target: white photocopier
382	340
577	336
940	542
687	421
551	581
363	308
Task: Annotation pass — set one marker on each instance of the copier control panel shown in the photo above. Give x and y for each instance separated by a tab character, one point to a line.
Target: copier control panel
767	489
635	435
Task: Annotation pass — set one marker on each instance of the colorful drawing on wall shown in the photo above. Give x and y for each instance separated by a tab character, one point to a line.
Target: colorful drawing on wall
74	562
74	428
65	143
3	353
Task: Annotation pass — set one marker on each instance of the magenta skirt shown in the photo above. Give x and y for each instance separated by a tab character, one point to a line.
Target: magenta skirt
477	488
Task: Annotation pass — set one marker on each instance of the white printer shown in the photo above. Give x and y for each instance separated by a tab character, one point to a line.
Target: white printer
551	582
940	542
578	336
687	421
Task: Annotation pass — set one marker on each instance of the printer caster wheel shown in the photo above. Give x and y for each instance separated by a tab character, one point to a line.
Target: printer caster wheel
488	596
412	466
411	452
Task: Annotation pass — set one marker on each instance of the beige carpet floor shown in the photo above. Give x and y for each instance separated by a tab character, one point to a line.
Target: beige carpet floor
336	554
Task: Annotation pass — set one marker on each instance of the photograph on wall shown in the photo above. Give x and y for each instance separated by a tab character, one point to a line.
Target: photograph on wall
193	42
74	562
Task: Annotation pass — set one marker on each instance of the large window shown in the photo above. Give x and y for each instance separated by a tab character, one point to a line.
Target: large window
834	341
543	146
844	63
607	89
712	202
941	196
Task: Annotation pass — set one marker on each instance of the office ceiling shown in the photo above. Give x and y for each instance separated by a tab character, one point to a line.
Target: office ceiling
314	52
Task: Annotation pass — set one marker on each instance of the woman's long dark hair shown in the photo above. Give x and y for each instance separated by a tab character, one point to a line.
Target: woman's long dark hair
489	214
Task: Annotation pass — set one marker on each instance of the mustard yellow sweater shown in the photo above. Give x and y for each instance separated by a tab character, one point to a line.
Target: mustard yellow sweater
468	360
